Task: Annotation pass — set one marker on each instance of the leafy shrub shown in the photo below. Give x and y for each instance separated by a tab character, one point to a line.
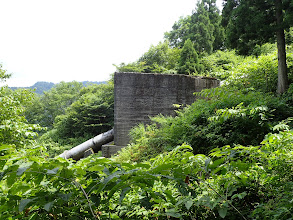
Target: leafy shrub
44	109
148	145
260	73
55	148
220	63
136	67
158	59
14	128
188	61
264	49
288	95
224	117
91	114
253	182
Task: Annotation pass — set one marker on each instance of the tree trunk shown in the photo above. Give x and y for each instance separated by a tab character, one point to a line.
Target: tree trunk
282	65
95	143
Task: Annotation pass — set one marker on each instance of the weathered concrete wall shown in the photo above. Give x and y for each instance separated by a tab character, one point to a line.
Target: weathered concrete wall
140	95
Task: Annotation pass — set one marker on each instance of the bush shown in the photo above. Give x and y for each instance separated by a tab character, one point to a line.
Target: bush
91	114
224	117
288	95
253	182
259	73
220	63
47	107
14	128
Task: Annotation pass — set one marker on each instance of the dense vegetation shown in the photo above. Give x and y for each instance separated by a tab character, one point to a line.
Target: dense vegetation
228	155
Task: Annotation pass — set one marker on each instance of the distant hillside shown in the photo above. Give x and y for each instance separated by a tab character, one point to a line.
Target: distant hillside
87	83
40	87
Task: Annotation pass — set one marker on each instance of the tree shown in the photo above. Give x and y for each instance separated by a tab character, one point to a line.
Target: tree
91	114
179	33
203	28
158	59
134	67
14	128
253	22
54	102
215	19
3	74
188	62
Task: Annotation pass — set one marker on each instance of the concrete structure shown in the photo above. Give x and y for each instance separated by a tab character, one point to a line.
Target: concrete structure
141	95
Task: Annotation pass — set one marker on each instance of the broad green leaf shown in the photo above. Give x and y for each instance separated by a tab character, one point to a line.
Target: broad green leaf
118	186
127	165
143	165
11	179
223	212
188	204
96	199
162	169
207	163
21	170
240	196
65	197
217	163
48	206
105	181
5	147
23	203
53	171
123	194
21	188
173	213
96	168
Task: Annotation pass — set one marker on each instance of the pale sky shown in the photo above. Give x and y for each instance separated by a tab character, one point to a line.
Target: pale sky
66	40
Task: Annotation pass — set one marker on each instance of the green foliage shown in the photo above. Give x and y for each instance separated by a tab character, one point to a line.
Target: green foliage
261	73
215	19
145	147
54	147
203	28
73	113
225	117
288	96
161	56
261	174
135	67
14	128
91	114
289	36
220	63
250	23
179	33
189	63
232	183
3	74
264	49
158	59
45	108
